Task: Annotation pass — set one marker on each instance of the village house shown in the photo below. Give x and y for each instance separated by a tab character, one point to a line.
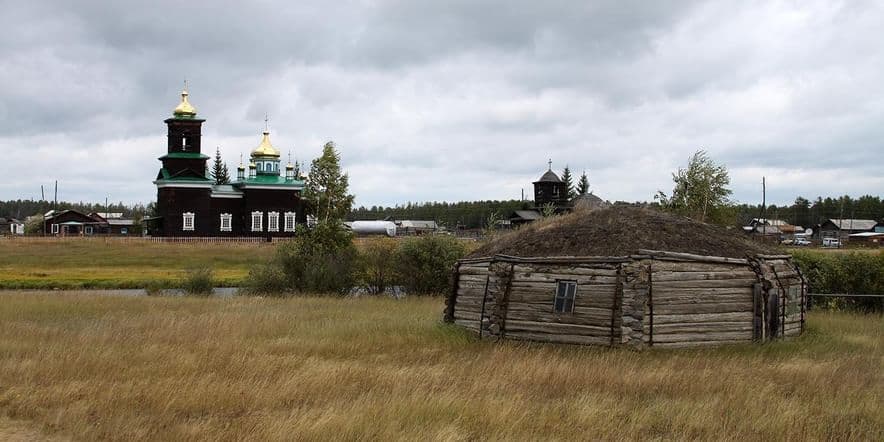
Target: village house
844	228
11	226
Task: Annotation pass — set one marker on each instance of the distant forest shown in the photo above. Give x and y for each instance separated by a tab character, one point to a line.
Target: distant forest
475	214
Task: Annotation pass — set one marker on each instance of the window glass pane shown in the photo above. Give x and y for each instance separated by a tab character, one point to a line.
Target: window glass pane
569	305
572	290
559	305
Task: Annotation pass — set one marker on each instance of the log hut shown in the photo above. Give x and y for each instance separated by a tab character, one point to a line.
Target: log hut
628	277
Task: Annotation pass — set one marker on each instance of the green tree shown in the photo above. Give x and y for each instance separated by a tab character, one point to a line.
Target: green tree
327	186
219	169
701	191
583	184
569	182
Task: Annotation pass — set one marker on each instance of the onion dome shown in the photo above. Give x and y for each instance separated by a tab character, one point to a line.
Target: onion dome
184	109
265	148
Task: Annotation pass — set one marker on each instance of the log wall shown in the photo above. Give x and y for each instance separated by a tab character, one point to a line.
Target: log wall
530	312
699	303
656	299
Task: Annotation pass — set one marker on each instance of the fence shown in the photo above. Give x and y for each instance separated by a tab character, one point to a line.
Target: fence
141	239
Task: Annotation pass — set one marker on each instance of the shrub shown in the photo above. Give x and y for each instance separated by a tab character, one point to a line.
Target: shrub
859	273
265	280
154	288
318	260
198	281
377	264
424	264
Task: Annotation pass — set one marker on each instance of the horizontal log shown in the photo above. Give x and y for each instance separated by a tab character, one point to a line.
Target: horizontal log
701	327
666	291
691	257
559	338
681	266
613	260
473	271
580	304
702	337
467	323
584	299
553	277
552	327
692	344
701	298
594	318
476	278
702	317
712	307
675	275
709	283
565	270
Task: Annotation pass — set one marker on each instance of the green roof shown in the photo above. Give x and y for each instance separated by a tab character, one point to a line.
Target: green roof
185	155
168	177
272	180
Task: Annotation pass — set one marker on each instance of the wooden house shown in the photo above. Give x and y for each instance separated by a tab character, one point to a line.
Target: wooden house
533	287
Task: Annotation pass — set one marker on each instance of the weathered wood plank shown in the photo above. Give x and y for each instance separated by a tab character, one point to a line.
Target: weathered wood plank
691	344
711	307
709	283
596	319
691	257
553	277
664	291
532	296
674	275
701	298
702	317
702	327
694	266
560	338
556	328
564	270
703	337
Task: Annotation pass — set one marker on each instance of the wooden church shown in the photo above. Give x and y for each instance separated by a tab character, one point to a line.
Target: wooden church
263	202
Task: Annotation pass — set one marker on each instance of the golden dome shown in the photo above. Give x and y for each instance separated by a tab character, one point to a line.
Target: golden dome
265	148
184	109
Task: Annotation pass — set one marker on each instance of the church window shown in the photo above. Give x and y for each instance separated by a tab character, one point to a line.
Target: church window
257	221
289	221
273	222
184	144
226	222
187	221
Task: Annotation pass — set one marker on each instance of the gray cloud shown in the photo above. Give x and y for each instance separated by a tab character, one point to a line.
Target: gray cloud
450	100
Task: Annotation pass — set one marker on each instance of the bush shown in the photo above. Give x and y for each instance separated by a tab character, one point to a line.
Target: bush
265	280
318	260
424	264
198	281
377	264
154	288
854	272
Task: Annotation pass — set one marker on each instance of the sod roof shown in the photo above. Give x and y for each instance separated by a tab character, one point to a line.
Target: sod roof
621	231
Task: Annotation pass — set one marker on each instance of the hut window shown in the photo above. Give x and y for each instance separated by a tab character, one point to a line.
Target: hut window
565	293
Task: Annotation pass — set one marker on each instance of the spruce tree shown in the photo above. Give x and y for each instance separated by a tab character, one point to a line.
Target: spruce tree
219	169
583	184
569	182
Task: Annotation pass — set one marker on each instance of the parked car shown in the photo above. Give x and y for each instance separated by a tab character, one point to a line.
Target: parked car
800	242
831	242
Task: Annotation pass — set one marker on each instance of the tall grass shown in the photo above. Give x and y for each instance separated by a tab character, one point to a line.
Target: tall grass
319	368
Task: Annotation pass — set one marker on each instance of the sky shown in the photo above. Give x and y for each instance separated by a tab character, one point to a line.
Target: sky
449	100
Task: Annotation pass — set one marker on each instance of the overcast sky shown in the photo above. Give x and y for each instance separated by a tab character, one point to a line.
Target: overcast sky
449	100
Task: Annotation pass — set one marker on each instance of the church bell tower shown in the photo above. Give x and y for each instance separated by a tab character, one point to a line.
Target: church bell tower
184	158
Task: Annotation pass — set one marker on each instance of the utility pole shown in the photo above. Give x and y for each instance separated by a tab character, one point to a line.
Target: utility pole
763	205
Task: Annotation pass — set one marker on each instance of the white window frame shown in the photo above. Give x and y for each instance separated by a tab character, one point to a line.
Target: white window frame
226	222
257	221
289	222
88	230
54	229
273	221
566	292
188	221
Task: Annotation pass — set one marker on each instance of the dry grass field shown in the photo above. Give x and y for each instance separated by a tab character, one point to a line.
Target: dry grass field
94	263
91	367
